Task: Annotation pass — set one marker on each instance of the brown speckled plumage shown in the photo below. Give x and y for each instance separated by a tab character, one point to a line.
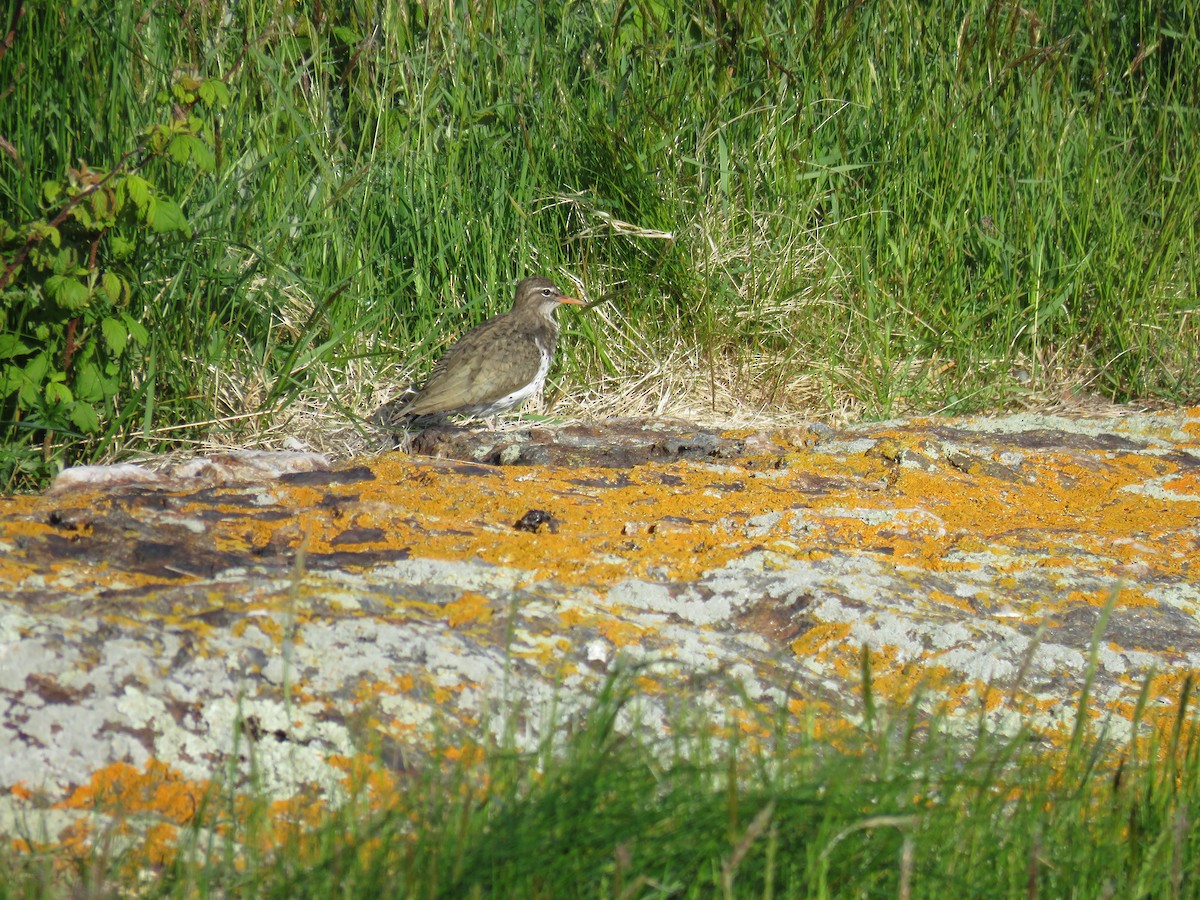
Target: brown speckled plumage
499	364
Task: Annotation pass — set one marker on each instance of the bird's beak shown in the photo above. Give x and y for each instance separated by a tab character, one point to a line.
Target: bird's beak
572	300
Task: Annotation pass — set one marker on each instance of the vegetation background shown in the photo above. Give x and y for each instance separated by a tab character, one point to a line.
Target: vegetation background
239	220
231	222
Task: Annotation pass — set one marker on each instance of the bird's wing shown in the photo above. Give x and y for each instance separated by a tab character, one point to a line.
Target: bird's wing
455	381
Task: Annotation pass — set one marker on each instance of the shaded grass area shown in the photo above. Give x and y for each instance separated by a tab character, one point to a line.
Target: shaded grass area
857	210
608	807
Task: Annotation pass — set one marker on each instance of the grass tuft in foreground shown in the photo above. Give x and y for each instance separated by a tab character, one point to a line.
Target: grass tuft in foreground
899	808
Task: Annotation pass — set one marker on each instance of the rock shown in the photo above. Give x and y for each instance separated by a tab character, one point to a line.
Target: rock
276	615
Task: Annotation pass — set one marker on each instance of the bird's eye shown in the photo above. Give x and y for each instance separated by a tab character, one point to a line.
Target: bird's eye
546	292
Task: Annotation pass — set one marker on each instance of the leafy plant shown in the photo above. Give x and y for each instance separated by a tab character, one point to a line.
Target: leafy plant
71	346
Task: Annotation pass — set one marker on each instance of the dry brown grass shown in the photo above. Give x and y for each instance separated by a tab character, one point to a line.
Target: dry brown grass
758	369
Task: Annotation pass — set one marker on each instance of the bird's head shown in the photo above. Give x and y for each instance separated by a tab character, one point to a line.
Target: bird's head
542	296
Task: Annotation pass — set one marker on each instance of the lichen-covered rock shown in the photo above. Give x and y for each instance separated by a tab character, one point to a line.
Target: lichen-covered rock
283	616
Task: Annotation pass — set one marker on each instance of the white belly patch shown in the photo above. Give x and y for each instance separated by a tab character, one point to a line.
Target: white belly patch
517	397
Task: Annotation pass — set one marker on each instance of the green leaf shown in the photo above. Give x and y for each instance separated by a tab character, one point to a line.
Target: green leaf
42	230
187	146
117	199
29	394
180	147
61	263
136	329
122	247
165	215
57	392
102	207
68	292
84	417
139	191
203	156
112	286
10	381
215	93
115	335
35	370
158	135
89	383
51	190
12	346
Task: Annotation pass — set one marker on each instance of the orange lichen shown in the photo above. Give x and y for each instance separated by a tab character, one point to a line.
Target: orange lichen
1130	595
468	754
1054	511
24	526
123	789
648	686
445	693
125	794
257	617
971	695
470	609
820	636
620	633
549	653
468	512
76	838
158	843
941	598
573	616
365	778
900	683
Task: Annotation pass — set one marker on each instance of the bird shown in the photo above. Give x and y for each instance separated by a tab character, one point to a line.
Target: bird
496	366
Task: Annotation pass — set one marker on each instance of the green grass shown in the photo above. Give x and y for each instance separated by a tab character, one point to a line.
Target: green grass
896	808
864	208
868	207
